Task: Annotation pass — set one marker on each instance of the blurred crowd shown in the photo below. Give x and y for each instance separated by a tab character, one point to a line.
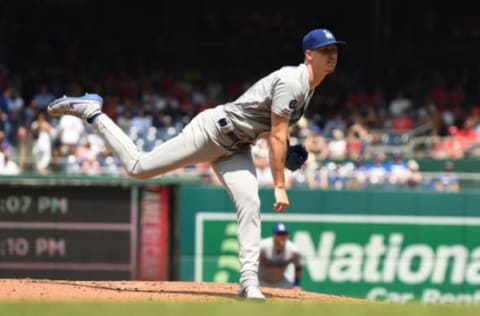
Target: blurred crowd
380	172
357	135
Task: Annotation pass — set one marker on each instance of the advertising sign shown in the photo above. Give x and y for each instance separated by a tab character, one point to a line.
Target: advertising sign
386	258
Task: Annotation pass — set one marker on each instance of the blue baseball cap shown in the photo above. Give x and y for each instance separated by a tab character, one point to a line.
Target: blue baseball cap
318	38
280	228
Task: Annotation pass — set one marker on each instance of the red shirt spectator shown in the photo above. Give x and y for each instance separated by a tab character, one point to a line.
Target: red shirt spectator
468	133
402	123
455	143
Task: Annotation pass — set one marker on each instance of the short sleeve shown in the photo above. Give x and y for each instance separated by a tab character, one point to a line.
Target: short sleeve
285	97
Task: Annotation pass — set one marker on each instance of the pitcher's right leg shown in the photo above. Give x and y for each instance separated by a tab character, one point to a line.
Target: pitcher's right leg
191	146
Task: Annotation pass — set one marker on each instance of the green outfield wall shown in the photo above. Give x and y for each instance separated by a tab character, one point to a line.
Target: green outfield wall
382	245
460	165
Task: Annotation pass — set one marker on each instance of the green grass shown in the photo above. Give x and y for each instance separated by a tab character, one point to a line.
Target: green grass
231	309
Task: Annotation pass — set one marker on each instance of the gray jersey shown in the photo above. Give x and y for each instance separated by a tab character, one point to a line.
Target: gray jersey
285	92
273	264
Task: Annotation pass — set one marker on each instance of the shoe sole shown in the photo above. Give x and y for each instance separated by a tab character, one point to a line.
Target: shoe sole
72	102
90	97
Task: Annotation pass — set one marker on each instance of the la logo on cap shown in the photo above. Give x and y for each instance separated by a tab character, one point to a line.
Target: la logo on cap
328	34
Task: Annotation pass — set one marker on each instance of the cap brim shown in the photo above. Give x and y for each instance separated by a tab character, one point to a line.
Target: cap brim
330	43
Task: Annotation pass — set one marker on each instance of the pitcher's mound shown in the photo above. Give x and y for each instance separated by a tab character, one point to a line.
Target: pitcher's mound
37	289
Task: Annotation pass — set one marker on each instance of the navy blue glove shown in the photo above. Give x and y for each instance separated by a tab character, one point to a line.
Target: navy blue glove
296	157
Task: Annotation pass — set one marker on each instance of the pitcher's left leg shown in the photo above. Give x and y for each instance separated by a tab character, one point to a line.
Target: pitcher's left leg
237	174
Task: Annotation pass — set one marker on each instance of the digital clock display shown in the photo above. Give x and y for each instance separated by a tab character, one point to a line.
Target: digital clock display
55	232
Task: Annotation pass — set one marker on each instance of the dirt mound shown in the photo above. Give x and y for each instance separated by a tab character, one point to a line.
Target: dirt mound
36	289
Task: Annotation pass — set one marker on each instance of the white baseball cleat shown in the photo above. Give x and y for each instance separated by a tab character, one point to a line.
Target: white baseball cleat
251	293
83	107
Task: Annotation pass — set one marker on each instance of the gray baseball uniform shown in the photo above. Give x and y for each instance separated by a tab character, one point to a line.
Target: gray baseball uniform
273	264
222	135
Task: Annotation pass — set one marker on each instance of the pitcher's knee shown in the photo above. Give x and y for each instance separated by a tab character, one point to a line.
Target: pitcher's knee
138	173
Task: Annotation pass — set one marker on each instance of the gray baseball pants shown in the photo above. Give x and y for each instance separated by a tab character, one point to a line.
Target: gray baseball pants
201	140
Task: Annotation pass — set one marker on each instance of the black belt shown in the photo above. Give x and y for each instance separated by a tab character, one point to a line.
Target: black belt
233	137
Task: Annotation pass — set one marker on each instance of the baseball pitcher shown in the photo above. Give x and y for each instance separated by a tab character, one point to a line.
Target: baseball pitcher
223	135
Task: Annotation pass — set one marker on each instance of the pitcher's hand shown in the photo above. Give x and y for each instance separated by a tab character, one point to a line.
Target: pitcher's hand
281	200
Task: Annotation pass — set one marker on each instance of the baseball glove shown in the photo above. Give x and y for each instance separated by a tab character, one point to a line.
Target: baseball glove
296	157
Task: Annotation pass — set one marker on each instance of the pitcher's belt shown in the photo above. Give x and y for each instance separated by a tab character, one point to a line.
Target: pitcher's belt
233	137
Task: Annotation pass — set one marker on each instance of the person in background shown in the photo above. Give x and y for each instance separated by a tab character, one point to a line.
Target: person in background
276	254
397	170
377	172
42	146
415	177
7	165
448	180
316	144
337	147
358	177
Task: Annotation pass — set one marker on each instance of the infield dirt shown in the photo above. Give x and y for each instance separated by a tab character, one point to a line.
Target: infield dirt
58	290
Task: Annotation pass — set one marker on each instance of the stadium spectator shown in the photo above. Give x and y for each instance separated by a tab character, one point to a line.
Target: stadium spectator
124	120
438	148
334	123
141	121
397	170
372	117
5	145
414	177
402	123
7	165
11	105
5	113
261	162
448	179
377	172
426	113
316	144
42	144
358	177
356	142
455	143
70	131
337	176
400	104
316	175
468	133
86	157
42	98
337	146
